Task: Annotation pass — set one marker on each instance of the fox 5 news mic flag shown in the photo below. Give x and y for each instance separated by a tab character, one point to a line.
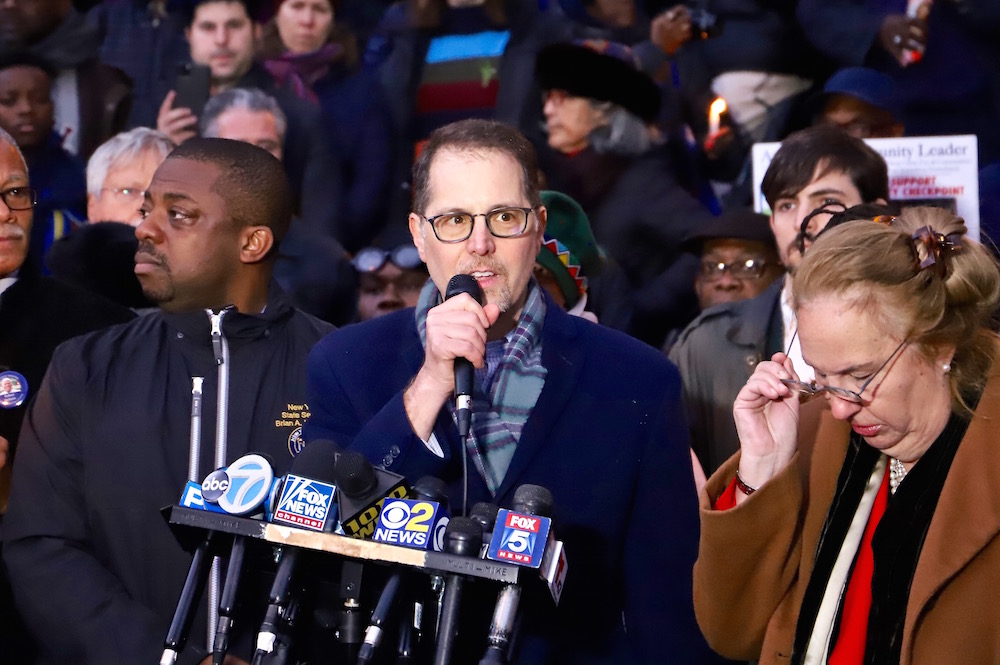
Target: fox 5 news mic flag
519	538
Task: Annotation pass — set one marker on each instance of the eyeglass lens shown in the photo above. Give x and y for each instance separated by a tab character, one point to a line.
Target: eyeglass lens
502	223
745	269
18	198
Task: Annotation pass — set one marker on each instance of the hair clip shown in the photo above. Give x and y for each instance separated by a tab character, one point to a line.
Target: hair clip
936	247
884	219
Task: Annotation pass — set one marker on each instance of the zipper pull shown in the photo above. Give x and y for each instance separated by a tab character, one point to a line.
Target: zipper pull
217	334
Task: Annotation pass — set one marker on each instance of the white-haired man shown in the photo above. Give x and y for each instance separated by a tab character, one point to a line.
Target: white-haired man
120	170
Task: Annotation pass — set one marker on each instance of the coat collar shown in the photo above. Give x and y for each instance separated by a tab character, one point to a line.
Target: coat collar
967	517
236	326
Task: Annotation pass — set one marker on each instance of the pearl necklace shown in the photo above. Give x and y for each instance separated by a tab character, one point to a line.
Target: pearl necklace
896	474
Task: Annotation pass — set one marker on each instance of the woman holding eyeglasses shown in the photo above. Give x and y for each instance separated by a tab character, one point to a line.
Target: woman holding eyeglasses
860	521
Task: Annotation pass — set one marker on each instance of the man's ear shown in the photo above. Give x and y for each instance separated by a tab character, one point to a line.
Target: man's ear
255	243
417	234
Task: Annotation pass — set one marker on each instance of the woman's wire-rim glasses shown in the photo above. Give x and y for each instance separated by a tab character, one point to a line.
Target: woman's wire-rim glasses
812	388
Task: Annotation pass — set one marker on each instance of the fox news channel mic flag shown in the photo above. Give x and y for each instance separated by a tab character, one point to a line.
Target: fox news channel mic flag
305	503
939	171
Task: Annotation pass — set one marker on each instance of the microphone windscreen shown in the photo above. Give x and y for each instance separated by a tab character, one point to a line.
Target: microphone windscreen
533	500
355	475
486	514
463	537
317	460
429	488
463	283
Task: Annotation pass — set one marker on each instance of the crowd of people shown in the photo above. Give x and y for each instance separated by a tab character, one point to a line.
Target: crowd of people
272	196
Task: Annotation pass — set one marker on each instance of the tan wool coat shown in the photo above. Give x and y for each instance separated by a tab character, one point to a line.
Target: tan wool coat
755	560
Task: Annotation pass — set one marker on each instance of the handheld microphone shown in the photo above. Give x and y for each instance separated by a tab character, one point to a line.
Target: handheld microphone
464	374
462	538
301	504
362	490
418	523
529	500
373	635
464	380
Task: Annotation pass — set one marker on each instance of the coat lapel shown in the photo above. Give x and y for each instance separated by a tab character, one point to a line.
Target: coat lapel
967	517
562	358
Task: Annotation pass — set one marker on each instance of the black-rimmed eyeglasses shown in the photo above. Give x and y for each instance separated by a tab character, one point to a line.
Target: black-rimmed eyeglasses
507	222
813	388
19	198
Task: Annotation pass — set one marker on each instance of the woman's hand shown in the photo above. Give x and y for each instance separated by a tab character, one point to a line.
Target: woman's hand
766	412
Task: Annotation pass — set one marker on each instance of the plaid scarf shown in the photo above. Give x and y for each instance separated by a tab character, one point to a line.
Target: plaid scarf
505	393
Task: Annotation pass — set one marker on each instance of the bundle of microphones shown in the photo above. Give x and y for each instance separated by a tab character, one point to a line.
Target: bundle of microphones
330	491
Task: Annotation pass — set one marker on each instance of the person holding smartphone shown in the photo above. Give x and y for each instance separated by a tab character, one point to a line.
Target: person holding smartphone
221	35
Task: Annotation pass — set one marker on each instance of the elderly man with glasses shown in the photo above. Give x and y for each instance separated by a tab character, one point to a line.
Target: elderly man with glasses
38	314
557	401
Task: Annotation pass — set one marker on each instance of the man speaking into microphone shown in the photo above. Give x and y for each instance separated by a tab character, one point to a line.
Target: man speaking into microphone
557	401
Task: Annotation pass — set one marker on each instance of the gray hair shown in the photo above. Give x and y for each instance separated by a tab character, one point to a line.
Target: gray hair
250	99
124	147
624	133
5	137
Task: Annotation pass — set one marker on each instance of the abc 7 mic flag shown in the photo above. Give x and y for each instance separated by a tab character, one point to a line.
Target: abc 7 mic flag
238	489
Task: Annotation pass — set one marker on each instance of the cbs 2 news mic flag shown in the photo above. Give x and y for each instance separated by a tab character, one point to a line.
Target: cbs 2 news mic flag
417	524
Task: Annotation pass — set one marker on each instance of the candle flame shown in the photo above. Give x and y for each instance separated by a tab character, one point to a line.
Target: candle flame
718	107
